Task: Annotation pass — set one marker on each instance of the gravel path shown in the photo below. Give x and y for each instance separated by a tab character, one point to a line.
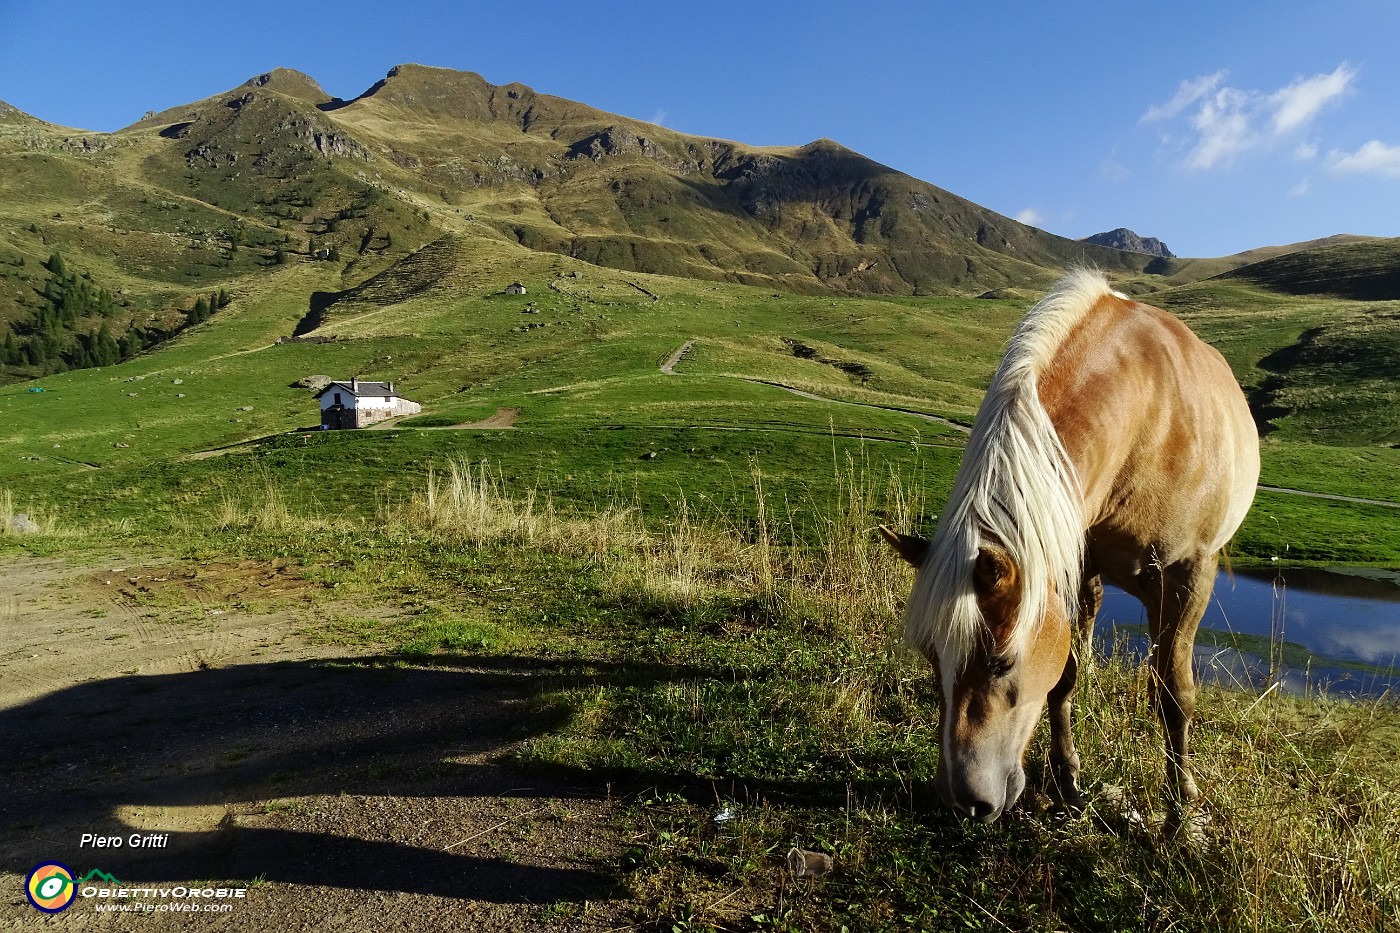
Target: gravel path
341	790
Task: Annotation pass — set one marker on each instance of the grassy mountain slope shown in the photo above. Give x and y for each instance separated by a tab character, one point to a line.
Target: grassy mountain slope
1169	272
542	171
1368	271
577	360
219	192
216	193
159	219
638	196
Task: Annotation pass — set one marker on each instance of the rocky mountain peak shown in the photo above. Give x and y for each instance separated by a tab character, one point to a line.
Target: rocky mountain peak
290	82
1128	241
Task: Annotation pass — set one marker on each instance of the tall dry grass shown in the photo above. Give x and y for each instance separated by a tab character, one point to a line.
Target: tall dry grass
1301	797
262	507
1300	816
42	520
474	506
689	558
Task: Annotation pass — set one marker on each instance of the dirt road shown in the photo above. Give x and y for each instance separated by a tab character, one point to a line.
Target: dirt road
669	367
184	707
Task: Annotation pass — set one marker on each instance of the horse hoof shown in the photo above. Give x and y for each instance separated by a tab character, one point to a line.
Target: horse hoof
1069	801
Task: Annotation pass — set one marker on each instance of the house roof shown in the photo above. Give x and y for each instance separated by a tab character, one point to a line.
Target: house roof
360	388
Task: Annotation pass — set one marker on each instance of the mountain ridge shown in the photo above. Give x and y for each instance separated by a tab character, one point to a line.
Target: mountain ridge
817	216
275	175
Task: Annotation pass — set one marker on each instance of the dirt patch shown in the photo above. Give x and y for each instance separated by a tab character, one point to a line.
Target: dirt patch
503	418
63	625
205	583
342	789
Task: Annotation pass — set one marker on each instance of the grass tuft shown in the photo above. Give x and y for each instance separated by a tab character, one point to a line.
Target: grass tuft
25	521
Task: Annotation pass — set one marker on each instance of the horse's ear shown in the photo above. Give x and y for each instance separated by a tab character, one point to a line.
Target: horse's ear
994	573
910	548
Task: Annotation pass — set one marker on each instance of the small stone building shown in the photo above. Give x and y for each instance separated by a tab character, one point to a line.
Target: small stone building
515	288
358	403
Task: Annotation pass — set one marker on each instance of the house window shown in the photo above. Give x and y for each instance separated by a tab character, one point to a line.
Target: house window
337	398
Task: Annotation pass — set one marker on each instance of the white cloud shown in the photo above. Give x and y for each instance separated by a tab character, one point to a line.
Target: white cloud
1226	122
1224	127
1296	104
1187	93
1374	158
1305	152
1031	217
1301	189
659	118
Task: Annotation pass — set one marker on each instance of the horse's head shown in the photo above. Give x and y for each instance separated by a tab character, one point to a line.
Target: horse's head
994	695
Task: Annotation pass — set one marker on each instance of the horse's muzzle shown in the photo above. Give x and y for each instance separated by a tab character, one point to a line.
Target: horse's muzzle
970	803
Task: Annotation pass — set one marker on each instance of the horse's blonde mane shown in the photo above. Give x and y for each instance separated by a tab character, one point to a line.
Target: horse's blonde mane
1016	489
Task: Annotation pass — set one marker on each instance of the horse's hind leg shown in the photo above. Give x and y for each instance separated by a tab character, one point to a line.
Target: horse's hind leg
1064	759
1176	598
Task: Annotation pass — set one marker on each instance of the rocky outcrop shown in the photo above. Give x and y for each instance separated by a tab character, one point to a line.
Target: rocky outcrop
220	133
332	143
615	141
1130	242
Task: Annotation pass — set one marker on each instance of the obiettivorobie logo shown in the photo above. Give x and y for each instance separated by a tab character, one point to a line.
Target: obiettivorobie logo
51	887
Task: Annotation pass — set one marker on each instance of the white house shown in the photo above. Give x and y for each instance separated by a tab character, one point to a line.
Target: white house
357	403
515	288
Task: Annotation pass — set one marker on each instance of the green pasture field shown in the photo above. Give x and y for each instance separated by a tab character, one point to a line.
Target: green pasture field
691	558
579	359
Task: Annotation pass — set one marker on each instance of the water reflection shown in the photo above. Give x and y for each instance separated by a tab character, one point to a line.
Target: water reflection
1310	629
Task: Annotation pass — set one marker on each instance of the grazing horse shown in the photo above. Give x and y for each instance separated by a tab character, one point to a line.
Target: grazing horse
1114	443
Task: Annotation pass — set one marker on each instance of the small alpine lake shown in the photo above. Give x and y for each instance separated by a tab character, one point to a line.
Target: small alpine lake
1304	629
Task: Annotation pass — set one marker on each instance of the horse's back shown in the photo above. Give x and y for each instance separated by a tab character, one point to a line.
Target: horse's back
1160	434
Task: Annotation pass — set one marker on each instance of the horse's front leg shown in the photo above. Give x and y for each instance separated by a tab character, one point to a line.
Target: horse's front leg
1174	607
1064	759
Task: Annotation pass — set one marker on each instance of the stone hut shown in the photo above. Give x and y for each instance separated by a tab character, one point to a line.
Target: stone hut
358	403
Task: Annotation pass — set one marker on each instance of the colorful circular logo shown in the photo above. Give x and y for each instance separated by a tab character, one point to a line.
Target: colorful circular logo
50	887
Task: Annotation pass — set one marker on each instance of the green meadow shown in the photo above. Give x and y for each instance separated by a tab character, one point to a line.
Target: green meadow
708	535
578	361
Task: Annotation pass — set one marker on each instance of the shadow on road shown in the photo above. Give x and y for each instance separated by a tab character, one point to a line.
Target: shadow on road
409	756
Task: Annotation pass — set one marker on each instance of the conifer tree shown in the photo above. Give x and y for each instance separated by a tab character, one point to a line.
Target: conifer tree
106	352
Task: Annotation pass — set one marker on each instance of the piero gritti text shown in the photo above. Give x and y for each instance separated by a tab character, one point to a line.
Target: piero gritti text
133	841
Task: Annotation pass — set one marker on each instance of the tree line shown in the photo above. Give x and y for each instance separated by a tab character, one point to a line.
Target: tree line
51	340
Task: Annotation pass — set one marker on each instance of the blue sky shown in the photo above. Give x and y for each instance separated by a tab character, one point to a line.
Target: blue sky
1217	127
